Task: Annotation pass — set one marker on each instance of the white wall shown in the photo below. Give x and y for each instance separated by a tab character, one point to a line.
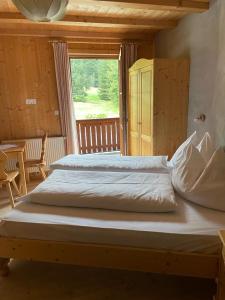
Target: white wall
201	37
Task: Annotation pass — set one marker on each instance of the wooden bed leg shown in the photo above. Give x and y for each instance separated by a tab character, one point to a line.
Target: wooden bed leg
4	267
221	281
221	272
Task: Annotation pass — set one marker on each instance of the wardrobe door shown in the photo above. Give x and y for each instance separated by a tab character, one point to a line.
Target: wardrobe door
146	107
133	114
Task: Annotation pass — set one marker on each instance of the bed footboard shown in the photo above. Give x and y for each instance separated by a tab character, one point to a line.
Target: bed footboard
115	257
109	256
4	266
221	277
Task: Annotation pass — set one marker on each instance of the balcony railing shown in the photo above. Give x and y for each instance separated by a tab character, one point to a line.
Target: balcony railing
98	135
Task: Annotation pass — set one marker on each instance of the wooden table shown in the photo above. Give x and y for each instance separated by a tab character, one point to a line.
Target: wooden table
18	154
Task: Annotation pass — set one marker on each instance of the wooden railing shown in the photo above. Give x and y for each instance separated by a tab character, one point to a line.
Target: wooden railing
98	135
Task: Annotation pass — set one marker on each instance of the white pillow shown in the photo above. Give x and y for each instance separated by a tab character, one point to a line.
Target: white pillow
188	168
206	147
191	140
209	189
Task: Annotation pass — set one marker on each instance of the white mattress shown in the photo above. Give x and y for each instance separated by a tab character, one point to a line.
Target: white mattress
191	228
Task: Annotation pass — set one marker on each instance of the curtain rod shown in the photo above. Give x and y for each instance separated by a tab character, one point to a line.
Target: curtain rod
57	41
120	42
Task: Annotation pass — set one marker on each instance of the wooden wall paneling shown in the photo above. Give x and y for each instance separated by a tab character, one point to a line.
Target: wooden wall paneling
107	49
27	72
13	88
146	49
100	50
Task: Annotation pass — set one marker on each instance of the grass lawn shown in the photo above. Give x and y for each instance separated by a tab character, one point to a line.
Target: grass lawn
96	110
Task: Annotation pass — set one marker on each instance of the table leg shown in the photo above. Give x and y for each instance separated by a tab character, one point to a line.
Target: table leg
22	174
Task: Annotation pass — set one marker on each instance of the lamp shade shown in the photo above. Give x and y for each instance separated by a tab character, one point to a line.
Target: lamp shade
42	10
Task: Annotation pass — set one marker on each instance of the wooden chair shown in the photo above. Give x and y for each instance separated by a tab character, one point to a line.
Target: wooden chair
38	163
7	178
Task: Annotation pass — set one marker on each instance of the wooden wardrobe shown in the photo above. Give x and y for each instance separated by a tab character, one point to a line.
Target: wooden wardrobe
157	106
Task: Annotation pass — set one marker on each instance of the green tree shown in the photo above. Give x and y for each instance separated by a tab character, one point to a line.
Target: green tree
113	77
84	75
79	85
104	80
99	73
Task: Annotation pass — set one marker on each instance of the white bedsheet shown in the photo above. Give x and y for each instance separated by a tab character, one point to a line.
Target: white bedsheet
125	191
191	228
112	163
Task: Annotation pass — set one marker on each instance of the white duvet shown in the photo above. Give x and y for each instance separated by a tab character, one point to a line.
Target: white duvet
124	191
112	163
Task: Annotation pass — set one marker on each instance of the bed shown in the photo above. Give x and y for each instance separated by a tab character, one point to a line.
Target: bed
184	242
191	228
104	162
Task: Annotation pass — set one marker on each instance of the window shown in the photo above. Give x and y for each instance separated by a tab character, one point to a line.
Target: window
95	88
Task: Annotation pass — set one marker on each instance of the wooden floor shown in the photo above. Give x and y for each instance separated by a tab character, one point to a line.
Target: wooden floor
37	281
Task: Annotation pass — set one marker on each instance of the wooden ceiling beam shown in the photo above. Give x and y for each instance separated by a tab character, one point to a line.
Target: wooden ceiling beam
73	34
118	21
176	5
97	21
101	41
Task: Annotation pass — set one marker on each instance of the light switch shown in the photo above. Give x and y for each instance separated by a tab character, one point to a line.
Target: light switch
31	101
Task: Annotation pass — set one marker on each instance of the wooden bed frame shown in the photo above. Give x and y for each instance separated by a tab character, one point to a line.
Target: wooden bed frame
117	257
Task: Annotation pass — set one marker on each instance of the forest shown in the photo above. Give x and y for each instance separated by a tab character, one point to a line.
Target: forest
95	88
97	75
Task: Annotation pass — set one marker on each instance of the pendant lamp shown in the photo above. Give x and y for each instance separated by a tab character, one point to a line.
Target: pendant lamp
42	10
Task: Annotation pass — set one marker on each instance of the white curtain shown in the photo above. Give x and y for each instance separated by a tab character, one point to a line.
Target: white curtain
64	87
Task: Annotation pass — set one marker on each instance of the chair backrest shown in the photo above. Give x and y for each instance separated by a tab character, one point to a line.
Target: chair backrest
3	159
43	146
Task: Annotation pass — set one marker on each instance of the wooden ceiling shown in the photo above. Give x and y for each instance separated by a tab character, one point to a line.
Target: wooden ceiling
117	19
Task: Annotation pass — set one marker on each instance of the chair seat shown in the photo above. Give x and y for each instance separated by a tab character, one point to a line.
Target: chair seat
34	163
10	176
